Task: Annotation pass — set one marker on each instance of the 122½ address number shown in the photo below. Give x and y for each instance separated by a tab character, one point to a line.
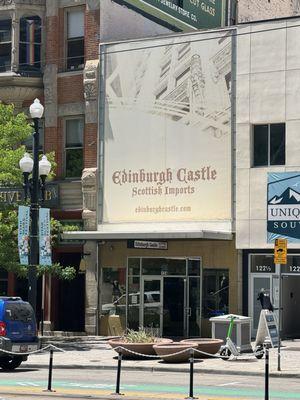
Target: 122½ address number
294	268
262	268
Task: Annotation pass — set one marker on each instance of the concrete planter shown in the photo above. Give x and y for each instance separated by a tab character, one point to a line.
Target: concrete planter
208	345
163	350
142	348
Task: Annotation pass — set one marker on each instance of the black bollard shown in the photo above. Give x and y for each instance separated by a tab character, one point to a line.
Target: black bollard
117	392
266	373
42	322
49	389
191	359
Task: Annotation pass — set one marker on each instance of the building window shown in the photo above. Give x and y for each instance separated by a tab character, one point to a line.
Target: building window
5	45
75	39
268	145
30	44
74	147
215	292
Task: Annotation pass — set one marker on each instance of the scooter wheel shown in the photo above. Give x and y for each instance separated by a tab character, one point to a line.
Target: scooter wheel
259	352
225	353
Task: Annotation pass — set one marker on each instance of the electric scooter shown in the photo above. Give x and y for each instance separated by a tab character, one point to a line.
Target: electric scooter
230	348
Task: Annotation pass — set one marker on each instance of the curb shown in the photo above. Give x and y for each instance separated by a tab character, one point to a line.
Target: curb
165	369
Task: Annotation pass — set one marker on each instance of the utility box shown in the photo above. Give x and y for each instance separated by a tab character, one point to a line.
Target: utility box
241	333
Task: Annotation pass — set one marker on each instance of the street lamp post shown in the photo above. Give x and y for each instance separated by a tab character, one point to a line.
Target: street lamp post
36	168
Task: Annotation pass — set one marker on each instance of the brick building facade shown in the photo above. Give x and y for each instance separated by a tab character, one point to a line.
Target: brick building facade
49	50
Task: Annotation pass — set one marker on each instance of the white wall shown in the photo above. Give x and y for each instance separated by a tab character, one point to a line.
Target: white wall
119	23
268	91
255	10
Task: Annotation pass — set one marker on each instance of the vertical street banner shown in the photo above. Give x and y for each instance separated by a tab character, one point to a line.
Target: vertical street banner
23	234
44	237
283	206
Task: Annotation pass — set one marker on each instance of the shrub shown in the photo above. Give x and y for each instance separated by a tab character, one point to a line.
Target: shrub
140	336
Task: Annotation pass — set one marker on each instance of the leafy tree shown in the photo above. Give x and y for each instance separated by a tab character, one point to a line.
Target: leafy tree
14	130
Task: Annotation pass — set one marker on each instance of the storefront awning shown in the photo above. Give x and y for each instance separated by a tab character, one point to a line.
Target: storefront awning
219	230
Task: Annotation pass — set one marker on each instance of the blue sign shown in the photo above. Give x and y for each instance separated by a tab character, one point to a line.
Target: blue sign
283	206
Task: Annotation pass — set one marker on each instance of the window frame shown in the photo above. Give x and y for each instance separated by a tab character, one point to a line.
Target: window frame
66	40
5	43
77	117
25	67
268	164
214	298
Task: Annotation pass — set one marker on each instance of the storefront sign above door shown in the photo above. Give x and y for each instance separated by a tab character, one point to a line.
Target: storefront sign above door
147	244
283	206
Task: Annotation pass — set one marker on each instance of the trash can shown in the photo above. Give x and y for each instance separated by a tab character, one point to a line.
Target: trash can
241	333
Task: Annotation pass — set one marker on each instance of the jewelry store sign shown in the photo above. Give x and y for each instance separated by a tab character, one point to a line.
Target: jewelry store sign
283	206
190	13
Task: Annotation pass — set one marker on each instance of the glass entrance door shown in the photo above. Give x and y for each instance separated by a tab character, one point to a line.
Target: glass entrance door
193	307
164	294
258	283
174	307
151	304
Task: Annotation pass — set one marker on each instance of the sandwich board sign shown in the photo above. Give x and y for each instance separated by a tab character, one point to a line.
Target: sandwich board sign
267	329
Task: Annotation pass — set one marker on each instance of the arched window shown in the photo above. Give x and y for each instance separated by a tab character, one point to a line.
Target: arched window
30	44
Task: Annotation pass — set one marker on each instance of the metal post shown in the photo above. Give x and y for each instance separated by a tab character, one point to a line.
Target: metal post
43	305
49	389
279	321
191	391
118	375
266	372
34	208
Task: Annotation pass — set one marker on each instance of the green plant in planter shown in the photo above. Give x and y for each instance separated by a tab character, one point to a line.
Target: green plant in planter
140	336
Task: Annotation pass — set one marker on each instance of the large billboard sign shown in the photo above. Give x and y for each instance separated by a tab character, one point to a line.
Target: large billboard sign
283	206
185	13
167	136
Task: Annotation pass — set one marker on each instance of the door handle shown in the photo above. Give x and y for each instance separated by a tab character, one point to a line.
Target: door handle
188	311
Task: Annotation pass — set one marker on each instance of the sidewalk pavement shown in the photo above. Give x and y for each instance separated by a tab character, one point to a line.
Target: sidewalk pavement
95	353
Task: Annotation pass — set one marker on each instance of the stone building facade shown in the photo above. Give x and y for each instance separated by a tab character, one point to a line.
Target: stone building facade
254	10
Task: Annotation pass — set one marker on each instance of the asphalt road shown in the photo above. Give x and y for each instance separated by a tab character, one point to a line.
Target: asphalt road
88	384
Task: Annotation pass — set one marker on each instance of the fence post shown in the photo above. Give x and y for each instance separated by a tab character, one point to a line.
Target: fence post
49	389
266	372
117	392
191	391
